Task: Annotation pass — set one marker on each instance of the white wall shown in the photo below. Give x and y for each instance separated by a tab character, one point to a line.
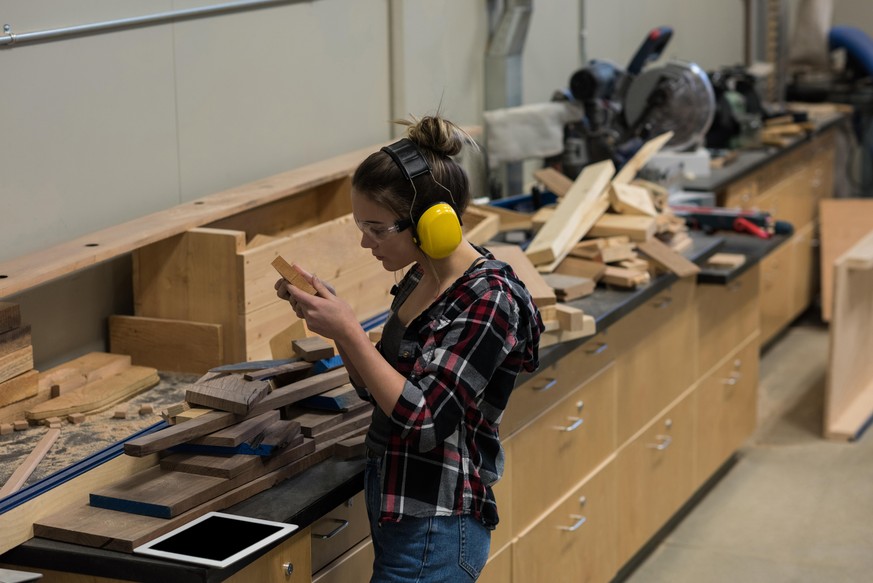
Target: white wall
100	129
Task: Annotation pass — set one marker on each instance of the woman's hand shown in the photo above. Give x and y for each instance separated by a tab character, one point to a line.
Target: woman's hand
325	313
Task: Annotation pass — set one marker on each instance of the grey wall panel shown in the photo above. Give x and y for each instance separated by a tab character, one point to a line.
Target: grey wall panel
88	130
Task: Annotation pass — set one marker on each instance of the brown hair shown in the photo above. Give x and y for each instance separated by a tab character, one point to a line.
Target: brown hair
379	178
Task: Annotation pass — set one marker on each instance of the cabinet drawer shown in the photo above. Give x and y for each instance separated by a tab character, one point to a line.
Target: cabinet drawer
339	530
353	566
287	563
561	447
658	358
727	404
554	382
726	315
655	476
576	541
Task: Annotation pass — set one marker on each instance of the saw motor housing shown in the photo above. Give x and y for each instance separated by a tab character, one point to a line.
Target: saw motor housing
624	107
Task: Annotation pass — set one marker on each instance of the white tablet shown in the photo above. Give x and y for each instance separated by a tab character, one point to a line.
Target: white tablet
216	539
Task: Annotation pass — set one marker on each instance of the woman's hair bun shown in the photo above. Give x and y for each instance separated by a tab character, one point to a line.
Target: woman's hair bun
436	134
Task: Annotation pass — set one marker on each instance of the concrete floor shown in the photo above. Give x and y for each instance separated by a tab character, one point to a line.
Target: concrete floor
795	508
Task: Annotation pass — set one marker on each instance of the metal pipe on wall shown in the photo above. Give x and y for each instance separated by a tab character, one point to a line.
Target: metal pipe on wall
10	38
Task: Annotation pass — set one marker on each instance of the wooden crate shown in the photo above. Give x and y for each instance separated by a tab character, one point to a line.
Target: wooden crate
222	273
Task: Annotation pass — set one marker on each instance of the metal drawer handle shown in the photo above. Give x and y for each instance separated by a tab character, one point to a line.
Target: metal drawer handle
577	422
662	303
733	379
580	520
343	524
665	441
547	386
288	569
601	346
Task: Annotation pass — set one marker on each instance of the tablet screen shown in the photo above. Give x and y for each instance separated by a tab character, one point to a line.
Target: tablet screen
216	539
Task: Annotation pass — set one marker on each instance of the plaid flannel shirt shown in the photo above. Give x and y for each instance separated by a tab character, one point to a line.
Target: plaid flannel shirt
461	358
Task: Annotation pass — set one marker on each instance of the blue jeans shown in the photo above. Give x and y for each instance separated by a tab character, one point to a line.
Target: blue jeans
439	549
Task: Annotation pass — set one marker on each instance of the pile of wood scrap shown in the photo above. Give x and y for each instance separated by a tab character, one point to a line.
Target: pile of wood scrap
607	227
18	379
254	434
610	227
89	384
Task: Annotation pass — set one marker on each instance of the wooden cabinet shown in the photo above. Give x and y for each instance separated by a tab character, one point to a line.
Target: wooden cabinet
498	569
655	476
789	187
290	562
339	530
726	316
554	382
354	566
727	402
577	540
658	357
776	291
561	446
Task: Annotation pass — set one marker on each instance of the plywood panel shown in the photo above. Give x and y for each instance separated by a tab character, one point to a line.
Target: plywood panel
843	222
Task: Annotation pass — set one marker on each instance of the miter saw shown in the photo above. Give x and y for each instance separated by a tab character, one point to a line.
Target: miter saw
626	107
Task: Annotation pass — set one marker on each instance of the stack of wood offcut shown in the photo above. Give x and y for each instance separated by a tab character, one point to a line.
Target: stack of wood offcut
18	379
244	428
606	227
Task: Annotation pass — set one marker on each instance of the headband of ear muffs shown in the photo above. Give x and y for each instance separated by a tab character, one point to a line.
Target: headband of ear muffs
437	230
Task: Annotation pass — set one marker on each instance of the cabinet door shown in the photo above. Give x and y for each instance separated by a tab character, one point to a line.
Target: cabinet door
290	562
726	315
339	530
776	291
658	360
655	475
727	404
804	269
561	447
498	569
574	542
554	382
794	200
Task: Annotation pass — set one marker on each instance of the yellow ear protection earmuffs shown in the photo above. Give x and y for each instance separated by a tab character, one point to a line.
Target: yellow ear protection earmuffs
437	231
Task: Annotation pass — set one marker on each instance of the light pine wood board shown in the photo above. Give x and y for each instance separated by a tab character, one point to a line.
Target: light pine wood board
196	277
167	345
88	368
635	227
849	390
554	181
843	222
582	267
630	169
20	475
541	292
291	275
10	316
14	339
510	220
99	395
35	268
632	200
667	258
479	224
586	200
16	363
19	388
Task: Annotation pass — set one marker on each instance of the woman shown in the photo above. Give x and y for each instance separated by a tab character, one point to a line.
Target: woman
461	328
